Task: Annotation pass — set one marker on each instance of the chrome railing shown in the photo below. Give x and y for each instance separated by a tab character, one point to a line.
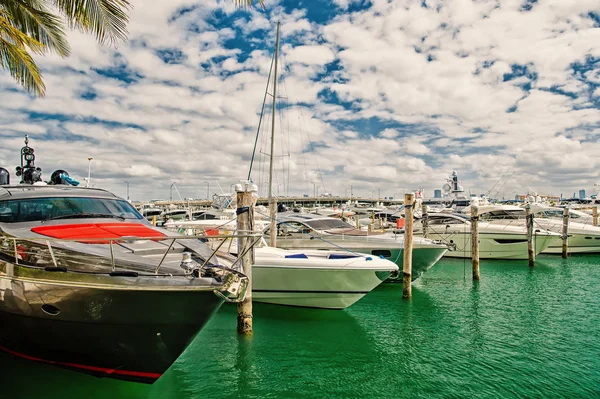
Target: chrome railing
9	245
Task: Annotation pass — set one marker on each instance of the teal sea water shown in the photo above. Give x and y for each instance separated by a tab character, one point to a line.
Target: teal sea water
518	333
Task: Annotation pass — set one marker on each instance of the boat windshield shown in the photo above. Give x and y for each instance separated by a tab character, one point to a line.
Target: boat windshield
327	224
40	209
503	214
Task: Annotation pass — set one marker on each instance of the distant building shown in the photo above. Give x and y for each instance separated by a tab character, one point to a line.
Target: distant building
543	197
581	194
437	193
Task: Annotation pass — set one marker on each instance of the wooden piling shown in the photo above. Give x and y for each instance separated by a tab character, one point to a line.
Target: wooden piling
245	212
565	233
595	216
409	200
530	236
154	220
425	220
475	241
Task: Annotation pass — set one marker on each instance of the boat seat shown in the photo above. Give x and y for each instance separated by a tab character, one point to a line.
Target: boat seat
342	256
297	256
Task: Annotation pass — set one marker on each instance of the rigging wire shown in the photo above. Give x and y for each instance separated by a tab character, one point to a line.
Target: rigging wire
261	115
302	120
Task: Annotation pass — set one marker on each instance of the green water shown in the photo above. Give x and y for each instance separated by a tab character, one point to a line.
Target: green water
518	333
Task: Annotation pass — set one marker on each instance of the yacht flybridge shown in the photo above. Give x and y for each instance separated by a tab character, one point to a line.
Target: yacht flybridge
87	283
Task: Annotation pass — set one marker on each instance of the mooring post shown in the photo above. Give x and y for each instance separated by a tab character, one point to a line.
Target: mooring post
245	219
425	220
595	215
409	200
530	236
153	220
475	241
565	233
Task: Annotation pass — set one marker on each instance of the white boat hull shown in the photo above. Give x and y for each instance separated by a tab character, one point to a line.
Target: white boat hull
316	282
577	244
583	238
493	246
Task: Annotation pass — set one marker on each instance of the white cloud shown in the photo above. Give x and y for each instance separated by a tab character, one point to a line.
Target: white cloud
424	91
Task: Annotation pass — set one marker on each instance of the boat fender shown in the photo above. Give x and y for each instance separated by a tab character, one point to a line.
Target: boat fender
368	258
241	210
55	269
123	273
381	257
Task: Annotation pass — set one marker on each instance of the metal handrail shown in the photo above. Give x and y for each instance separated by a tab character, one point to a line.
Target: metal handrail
127	238
48	240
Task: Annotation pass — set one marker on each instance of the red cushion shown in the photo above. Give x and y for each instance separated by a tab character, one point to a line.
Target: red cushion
129	230
88	231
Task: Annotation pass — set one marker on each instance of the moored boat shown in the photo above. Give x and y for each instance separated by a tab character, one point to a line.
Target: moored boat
298	231
88	284
317	279
495	241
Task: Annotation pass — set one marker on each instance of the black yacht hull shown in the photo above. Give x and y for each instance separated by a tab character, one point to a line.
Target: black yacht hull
109	331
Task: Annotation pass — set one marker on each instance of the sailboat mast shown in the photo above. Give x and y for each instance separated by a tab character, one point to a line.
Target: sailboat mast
272	199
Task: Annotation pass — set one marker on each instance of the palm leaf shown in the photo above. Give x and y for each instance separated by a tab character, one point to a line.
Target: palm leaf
13	35
15	58
33	19
106	19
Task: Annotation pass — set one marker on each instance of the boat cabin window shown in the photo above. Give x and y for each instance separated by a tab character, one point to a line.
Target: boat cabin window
206	216
328	224
433	220
503	215
40	209
551	214
289	228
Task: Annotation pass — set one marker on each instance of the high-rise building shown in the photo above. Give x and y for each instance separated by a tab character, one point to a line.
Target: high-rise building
437	193
581	194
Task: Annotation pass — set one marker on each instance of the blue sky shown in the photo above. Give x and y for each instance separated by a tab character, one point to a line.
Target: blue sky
378	95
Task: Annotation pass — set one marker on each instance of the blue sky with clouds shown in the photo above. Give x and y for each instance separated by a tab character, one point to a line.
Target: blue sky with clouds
378	95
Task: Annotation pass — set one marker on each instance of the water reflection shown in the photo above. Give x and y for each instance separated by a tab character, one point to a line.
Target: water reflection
36	380
295	344
519	332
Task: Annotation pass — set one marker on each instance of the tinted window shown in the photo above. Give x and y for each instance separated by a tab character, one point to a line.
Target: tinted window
443	221
36	209
328	224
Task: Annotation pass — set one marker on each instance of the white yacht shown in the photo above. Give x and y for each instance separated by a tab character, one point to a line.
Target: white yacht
582	237
495	241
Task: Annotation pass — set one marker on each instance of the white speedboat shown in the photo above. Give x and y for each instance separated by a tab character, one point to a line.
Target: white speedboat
297	231
316	279
495	241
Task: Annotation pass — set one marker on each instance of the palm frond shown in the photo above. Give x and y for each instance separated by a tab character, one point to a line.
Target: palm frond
13	35
248	3
33	19
106	19
20	65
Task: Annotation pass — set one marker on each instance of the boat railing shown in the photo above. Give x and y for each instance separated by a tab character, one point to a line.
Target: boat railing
10	245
